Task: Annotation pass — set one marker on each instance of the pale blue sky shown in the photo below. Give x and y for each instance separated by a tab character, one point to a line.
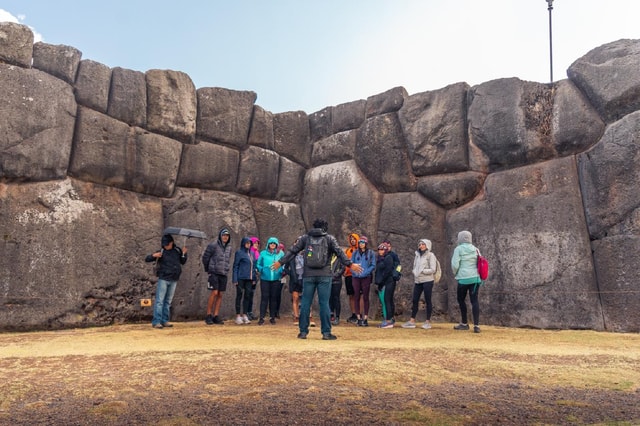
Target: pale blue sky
306	55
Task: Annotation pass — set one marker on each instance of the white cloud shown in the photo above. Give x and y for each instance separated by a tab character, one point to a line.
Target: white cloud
8	17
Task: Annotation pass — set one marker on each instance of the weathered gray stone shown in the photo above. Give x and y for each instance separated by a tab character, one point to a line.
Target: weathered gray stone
171	104
16	44
608	75
290	179
278	219
209	166
335	148
291	136
73	254
616	260
381	154
258	175
320	124
128	97
354	206
405	218
225	115
451	190
92	85
261	132
207	211
386	102
347	116
610	176
532	229
36	130
58	60
435	127
110	152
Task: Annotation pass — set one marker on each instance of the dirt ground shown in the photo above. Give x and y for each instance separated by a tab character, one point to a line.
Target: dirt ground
193	374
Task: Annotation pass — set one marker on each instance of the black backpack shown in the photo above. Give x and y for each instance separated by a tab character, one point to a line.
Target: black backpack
317	253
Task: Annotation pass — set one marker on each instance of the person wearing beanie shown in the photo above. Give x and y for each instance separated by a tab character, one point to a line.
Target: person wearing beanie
464	264
170	259
216	260
366	258
386	284
424	269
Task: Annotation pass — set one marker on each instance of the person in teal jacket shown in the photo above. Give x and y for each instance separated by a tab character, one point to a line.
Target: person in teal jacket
269	279
464	264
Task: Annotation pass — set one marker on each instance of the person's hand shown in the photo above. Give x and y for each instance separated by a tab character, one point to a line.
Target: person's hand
157	254
276	265
236	284
356	267
184	250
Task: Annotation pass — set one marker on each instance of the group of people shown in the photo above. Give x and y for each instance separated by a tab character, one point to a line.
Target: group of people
315	263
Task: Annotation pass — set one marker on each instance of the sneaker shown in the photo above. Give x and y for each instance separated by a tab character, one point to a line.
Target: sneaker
392	321
383	324
359	323
409	324
239	320
426	325
387	324
302	335
246	320
217	320
158	326
365	323
208	319
261	321
251	316
166	324
272	321
476	329
335	321
328	336
353	319
461	327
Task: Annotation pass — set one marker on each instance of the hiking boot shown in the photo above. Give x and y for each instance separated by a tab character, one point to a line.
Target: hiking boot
353	319
208	319
461	327
166	324
251	316
302	335
239	320
246	320
409	324
359	323
272	321
261	321
158	326
328	336
426	325
476	329
217	320
365	323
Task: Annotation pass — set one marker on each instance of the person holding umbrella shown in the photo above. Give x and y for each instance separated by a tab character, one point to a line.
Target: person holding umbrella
169	267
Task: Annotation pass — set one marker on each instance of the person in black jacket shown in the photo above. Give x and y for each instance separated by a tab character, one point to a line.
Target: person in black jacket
169	260
386	284
216	260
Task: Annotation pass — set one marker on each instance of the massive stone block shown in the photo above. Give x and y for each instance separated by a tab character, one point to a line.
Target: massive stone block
347	116
258	174
128	97
73	254
451	190
320	124
110	152
58	60
386	102
435	128
16	44
261	132
291	136
335	148
171	104
92	85
531	227
36	130
290	177
225	115
209	166
608	76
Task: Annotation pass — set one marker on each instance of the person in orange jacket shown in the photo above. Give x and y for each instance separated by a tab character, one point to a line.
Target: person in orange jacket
348	278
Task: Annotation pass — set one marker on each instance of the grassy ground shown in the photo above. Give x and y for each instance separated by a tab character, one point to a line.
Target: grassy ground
193	374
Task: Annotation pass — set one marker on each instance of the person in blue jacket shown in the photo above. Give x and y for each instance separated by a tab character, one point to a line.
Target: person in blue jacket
269	279
366	258
244	278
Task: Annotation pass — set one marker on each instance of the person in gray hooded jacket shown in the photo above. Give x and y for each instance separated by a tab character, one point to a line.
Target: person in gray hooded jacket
424	269
216	260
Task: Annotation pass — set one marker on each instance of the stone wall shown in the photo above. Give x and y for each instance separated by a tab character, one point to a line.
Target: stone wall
95	162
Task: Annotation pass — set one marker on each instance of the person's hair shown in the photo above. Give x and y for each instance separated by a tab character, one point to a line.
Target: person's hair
321	224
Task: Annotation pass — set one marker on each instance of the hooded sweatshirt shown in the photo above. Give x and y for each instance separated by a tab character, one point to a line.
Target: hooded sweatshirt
244	265
349	251
268	258
217	256
464	262
424	264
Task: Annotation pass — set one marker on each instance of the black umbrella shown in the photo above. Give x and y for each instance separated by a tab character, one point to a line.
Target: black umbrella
189	233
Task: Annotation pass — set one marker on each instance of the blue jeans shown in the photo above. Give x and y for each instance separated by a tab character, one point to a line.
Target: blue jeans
309	287
164	295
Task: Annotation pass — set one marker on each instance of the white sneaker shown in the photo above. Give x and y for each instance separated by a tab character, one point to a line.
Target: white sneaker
246	320
239	320
426	325
409	324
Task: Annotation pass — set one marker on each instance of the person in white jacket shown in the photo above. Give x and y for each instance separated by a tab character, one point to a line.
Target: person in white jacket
424	269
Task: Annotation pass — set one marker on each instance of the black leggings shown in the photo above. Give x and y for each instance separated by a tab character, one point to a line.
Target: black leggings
473	297
334	299
268	296
418	289
389	291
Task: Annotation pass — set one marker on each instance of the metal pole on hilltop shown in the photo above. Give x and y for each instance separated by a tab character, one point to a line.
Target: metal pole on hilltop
550	8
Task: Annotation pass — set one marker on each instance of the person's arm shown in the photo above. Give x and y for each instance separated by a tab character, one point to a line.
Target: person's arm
455	261
291	253
206	256
183	255
234	269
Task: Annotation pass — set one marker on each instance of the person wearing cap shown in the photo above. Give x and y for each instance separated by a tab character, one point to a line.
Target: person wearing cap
217	262
386	284
169	260
366	258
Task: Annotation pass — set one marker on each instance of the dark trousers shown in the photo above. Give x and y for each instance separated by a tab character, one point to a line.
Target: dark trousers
334	299
390	306
472	289
418	289
268	296
244	291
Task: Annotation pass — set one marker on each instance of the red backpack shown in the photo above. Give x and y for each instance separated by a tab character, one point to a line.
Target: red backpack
483	266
